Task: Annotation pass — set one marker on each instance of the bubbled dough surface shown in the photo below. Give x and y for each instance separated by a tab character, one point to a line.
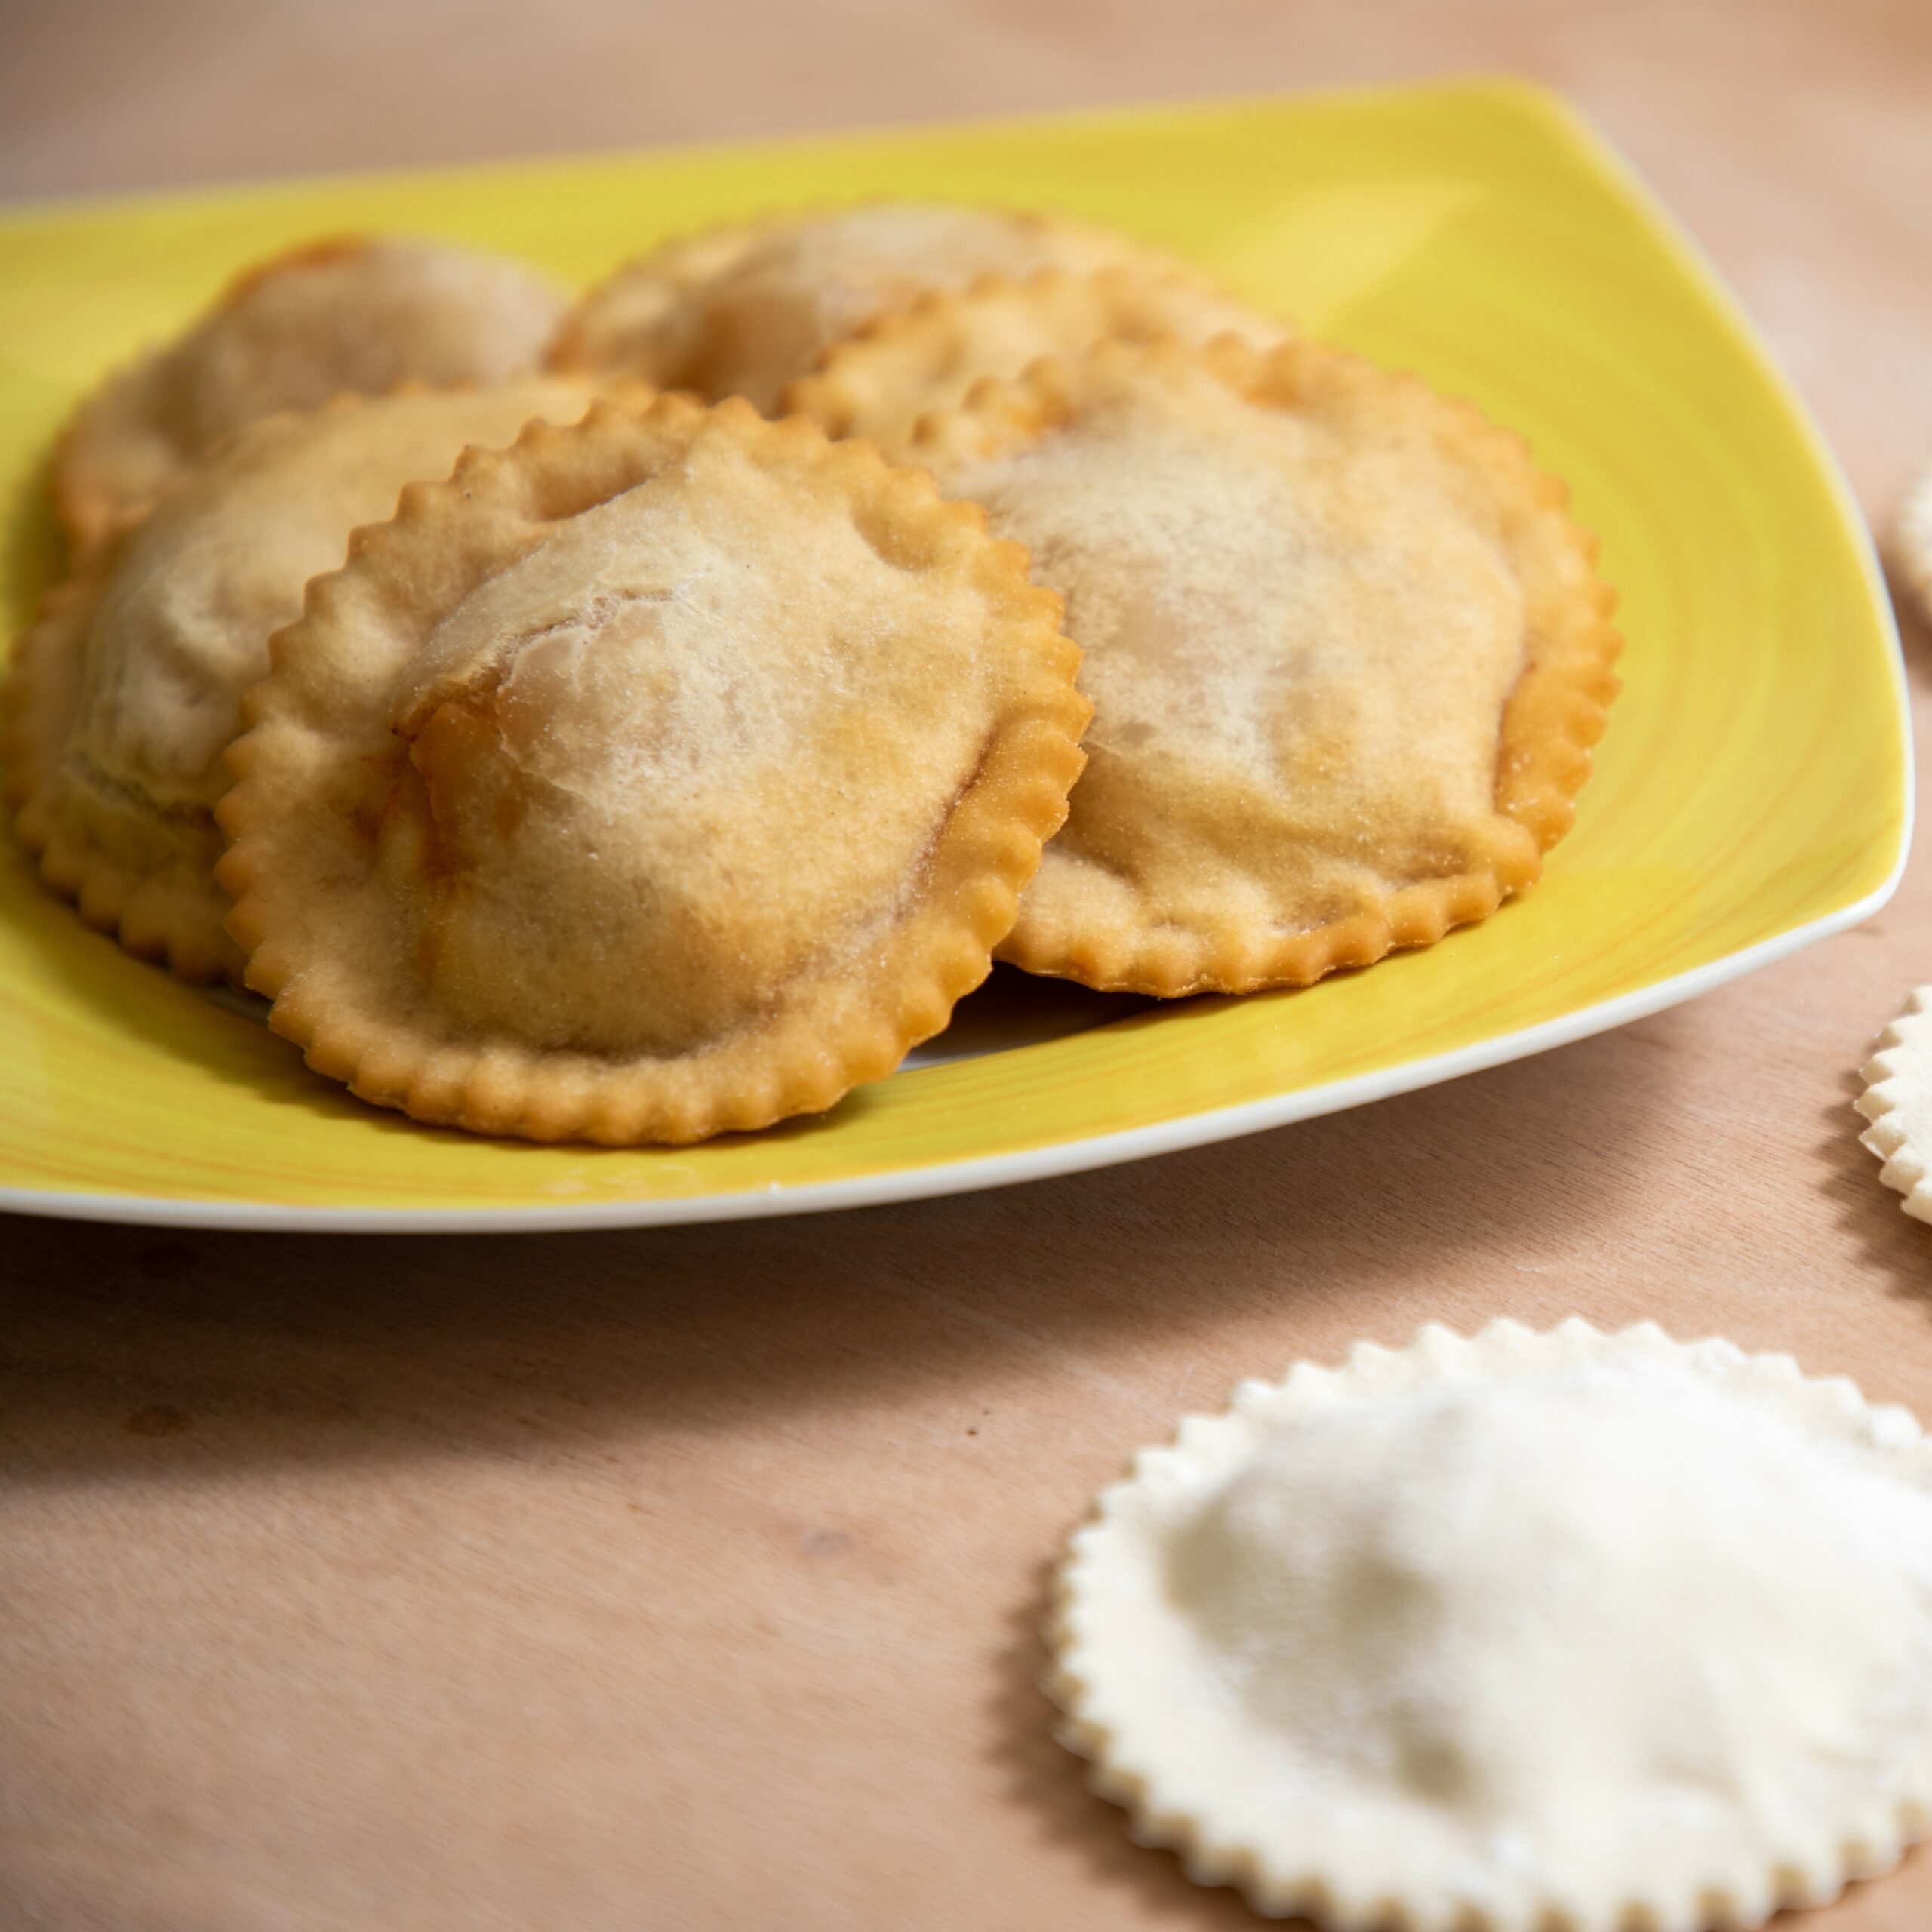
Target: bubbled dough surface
1603	1632
360	321
773	305
702	734
1299	640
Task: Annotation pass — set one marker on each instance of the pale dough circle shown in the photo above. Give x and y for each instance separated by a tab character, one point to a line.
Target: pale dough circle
1530	1629
1897	1101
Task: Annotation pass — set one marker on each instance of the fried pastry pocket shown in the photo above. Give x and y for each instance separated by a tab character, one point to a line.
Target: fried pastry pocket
1346	650
122	696
348	316
661	776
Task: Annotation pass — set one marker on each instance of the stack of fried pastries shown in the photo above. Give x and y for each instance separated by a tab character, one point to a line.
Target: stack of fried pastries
638	720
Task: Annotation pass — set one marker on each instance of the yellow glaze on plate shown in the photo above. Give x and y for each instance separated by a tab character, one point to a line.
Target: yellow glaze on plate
1752	792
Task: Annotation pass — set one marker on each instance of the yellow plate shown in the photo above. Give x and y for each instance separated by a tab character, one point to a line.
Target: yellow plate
1753	793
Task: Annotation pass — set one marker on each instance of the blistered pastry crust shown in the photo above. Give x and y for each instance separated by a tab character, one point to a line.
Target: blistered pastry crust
909	362
1555	712
320	771
1744	1884
607	328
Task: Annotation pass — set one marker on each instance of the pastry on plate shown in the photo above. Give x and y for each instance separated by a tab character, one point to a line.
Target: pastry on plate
913	361
742	309
662	776
350	315
1346	650
122	696
1521	1631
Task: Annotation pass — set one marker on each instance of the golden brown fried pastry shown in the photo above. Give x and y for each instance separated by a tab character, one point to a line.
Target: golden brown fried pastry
928	356
123	695
335	317
659	777
1346	649
741	311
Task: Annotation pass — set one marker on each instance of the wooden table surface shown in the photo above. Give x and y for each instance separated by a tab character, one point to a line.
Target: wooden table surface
636	1583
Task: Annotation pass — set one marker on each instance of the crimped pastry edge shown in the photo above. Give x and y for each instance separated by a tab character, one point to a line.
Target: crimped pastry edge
674	263
841	392
1555	713
149	915
1868	1848
164	921
1898	1067
686	260
1909	549
988	849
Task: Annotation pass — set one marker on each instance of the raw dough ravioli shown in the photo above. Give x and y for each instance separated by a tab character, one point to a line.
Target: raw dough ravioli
1533	1630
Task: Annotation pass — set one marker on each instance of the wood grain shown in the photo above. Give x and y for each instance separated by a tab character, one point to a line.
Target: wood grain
691	1579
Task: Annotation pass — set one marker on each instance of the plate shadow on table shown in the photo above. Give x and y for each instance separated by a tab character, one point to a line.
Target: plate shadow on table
135	1351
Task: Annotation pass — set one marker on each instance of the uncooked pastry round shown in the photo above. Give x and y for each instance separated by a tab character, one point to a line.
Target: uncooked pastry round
1529	1630
1912	542
1897	1101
